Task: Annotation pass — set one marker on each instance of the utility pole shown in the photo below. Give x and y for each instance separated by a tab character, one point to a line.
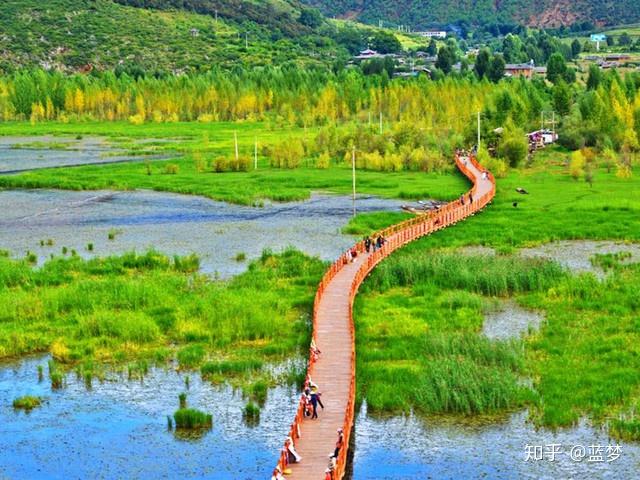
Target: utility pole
353	177
380	122
255	155
478	144
246	40
216	16
235	139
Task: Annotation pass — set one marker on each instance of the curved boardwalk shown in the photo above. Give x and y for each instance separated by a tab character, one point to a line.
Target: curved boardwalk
334	369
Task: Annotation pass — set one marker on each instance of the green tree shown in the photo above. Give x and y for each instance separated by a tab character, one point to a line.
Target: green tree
311	17
432	49
562	98
496	69
556	67
483	61
514	145
595	77
576	48
385	42
445	59
624	40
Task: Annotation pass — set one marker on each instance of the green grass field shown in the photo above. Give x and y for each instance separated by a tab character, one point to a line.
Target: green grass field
207	141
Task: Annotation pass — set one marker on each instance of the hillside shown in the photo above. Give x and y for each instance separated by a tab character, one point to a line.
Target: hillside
543	13
164	35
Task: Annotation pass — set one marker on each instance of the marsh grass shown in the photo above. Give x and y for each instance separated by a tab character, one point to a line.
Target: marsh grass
137	310
191	418
251	414
27	402
607	261
499	276
418	324
419	348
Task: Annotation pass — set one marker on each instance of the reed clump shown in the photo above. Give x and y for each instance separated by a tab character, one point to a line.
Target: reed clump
191	418
27	402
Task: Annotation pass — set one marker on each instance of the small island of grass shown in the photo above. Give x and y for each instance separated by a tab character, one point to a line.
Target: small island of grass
28	402
190	418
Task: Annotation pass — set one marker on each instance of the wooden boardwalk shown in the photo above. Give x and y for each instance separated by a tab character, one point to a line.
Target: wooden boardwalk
334	370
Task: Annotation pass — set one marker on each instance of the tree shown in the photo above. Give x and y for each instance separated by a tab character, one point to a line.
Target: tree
432	49
513	49
311	17
385	42
483	61
624	40
556	67
562	98
496	69
577	164
609	41
595	77
514	145
576	48
351	39
445	59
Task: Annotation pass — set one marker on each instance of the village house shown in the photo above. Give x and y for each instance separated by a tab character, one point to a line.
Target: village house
519	70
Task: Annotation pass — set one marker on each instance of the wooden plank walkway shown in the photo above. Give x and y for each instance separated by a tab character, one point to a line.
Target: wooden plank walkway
334	371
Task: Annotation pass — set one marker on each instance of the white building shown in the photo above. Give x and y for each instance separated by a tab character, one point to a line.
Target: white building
433	34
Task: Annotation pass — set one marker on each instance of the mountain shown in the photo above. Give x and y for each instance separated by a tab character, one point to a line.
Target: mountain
161	35
541	13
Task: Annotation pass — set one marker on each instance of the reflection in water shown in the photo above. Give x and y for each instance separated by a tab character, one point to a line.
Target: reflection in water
118	429
175	224
409	447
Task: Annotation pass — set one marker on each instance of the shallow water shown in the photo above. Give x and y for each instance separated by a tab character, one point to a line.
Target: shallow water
118	429
439	448
510	320
175	224
576	254
86	151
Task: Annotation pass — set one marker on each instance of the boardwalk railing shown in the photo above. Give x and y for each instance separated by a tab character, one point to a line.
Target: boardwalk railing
395	237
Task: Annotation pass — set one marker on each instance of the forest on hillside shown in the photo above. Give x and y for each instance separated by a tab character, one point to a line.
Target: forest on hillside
421	14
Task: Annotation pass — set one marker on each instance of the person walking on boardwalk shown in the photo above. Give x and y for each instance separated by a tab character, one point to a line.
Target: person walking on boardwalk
367	243
314	403
306	402
462	199
315	395
339	443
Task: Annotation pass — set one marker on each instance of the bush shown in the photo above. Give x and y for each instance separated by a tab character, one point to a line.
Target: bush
172	169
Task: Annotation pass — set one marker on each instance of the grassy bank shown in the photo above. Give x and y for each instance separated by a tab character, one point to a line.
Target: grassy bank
134	310
556	208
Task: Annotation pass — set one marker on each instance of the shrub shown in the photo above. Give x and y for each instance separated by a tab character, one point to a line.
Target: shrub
171	169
